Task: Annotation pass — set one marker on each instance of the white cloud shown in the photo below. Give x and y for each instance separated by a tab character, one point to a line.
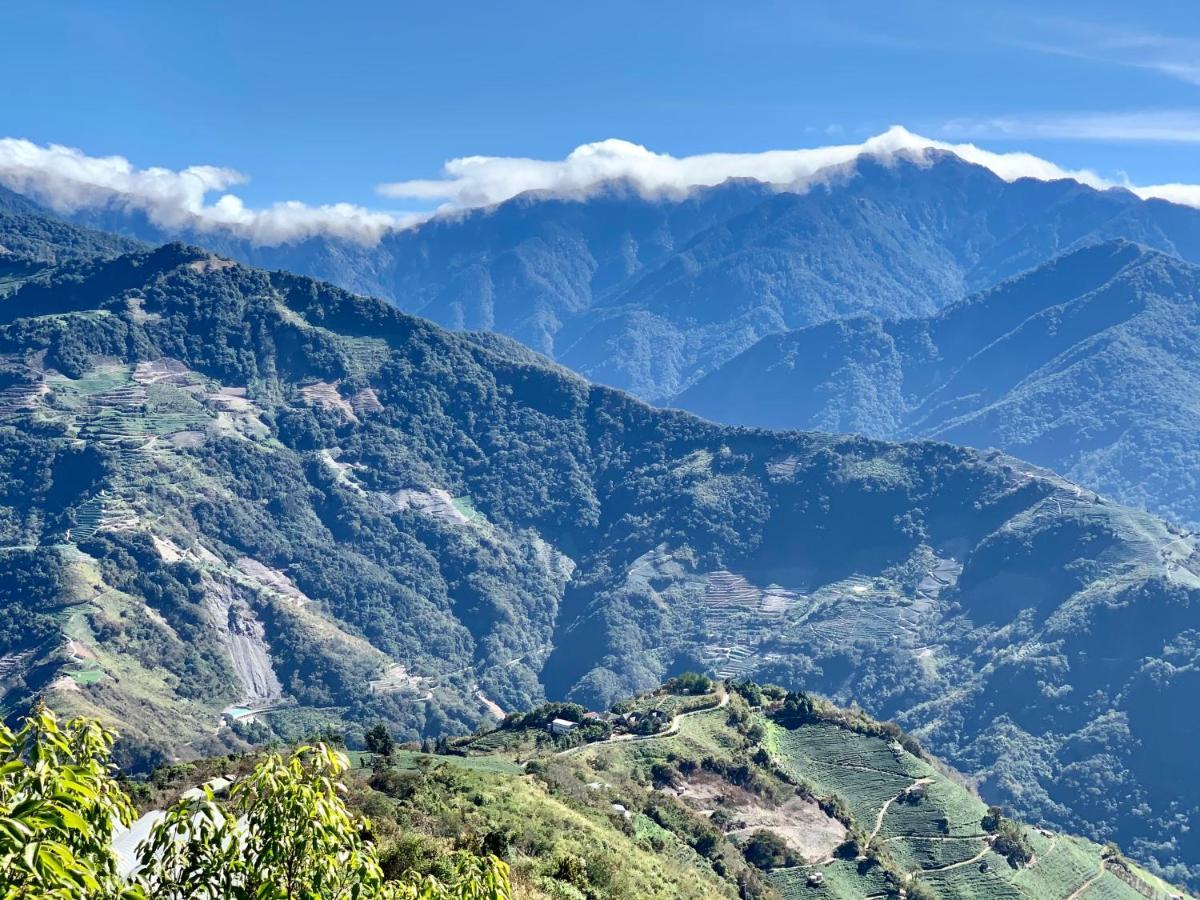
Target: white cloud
1158	126
1168	54
68	180
1162	126
197	197
485	180
1183	194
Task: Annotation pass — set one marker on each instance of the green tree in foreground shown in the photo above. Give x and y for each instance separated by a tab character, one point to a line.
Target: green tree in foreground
767	850
59	804
473	878
284	832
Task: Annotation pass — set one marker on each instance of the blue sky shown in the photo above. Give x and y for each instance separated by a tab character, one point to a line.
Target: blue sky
320	102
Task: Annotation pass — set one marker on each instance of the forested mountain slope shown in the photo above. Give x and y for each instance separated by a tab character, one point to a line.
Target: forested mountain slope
31	236
224	487
1089	365
650	294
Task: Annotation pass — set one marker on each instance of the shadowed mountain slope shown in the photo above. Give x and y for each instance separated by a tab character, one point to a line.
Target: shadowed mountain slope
1089	365
32	236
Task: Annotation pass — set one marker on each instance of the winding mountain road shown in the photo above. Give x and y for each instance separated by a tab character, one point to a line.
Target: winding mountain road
883	809
1083	888
987	845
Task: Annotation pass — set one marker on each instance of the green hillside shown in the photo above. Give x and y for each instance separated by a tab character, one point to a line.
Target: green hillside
728	800
227	493
32	237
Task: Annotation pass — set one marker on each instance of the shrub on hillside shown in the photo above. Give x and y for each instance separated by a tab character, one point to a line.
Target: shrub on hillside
690	683
767	850
283	831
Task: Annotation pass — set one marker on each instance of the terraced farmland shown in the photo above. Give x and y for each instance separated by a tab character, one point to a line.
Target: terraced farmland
910	825
735	612
21	398
739	618
14	662
842	879
410	760
916	852
495	741
364	355
105	510
1063	866
747	627
969	883
930	826
831	746
945	810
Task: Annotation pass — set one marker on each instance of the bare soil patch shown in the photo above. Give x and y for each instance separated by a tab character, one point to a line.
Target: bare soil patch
800	822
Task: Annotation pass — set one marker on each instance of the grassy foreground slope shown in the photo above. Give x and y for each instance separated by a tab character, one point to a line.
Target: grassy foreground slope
726	801
230	491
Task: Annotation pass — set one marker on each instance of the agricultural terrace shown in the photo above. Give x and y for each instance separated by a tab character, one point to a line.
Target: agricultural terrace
932	829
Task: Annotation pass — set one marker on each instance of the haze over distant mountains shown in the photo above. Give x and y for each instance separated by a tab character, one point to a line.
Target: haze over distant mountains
1089	365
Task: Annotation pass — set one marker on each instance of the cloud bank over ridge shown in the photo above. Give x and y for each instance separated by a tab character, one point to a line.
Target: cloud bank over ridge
69	181
485	180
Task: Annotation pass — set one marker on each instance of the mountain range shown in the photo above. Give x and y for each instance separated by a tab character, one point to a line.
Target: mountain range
1089	365
237	494
649	293
668	297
